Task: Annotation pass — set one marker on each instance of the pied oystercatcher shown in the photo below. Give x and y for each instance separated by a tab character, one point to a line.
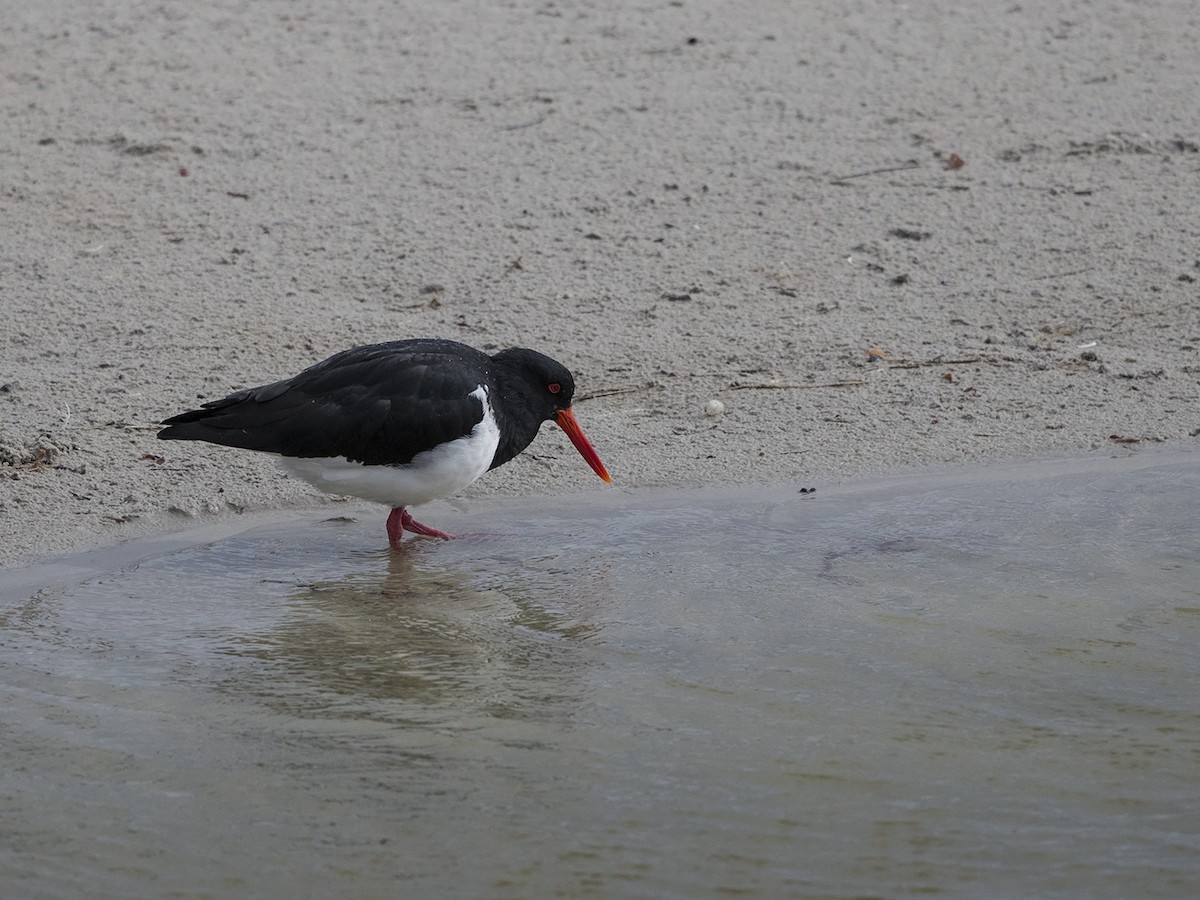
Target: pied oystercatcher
401	423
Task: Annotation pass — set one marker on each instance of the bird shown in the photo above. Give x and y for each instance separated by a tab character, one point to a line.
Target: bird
400	423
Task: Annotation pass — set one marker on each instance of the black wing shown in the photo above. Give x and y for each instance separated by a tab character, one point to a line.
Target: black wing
380	405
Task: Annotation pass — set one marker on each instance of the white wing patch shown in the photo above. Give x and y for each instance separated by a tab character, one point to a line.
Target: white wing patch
441	472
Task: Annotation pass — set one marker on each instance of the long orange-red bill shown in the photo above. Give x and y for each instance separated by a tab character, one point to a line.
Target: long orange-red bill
566	421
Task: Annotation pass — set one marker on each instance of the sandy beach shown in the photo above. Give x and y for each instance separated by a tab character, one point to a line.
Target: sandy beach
884	236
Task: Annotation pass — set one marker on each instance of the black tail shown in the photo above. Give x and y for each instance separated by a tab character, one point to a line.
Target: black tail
234	421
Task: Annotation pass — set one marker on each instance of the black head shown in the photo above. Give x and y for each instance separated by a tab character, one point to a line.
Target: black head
531	389
543	385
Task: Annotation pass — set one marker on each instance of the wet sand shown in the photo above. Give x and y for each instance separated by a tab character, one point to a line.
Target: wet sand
884	237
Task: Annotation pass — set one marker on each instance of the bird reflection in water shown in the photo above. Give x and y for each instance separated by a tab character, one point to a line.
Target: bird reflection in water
407	637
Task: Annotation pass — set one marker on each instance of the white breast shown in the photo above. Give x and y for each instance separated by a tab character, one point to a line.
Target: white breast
440	472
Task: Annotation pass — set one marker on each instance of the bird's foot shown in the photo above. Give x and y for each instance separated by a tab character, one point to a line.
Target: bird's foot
417	528
401	520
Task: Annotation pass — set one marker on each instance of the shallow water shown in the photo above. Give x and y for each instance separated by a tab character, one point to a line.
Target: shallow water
980	684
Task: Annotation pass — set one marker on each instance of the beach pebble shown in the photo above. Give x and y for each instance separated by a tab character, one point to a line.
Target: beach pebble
714	408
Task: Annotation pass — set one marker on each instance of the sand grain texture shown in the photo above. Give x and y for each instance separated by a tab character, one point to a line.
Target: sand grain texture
685	201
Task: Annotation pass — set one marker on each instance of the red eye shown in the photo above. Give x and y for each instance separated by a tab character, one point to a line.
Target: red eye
554	387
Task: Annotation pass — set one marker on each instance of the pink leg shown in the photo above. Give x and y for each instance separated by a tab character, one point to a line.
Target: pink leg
395	526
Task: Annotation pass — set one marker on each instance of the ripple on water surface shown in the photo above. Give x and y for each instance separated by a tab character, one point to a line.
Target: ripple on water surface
977	683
